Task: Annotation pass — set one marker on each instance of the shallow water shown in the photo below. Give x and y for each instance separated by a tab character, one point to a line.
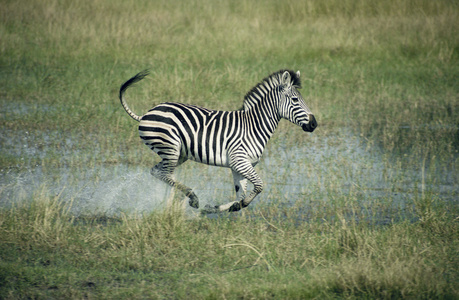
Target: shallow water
304	172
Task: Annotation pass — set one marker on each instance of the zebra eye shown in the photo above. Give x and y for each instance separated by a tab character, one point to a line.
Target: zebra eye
295	99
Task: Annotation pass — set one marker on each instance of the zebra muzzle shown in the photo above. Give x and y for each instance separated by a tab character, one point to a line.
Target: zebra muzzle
311	125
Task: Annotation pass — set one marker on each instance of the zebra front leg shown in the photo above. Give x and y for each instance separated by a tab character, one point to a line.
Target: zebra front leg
244	169
166	175
238	205
240	185
242	172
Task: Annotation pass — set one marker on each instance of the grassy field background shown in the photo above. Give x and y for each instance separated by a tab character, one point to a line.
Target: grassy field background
384	72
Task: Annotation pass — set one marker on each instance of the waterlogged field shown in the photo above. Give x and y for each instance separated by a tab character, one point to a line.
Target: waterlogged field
364	207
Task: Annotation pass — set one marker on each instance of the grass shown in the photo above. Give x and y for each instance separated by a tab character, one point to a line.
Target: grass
384	72
47	252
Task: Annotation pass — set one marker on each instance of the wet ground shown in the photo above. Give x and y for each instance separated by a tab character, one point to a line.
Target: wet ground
317	169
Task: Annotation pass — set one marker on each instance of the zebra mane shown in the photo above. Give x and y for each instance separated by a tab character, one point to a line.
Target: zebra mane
257	93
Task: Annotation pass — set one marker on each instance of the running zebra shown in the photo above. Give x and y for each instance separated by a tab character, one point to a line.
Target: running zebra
233	139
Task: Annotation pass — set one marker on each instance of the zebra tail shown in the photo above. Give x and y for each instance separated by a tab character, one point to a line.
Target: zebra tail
139	76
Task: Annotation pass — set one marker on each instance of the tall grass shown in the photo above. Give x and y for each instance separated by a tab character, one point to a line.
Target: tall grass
46	252
386	71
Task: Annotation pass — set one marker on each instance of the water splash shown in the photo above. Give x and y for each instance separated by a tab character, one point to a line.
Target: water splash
328	168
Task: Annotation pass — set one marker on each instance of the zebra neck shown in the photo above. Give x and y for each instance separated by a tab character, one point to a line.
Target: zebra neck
261	123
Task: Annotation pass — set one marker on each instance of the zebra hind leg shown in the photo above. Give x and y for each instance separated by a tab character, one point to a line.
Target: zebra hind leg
165	173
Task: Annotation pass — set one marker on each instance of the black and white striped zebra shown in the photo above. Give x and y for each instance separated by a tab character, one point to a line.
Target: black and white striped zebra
234	139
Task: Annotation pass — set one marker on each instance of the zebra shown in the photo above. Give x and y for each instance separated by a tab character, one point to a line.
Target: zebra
233	139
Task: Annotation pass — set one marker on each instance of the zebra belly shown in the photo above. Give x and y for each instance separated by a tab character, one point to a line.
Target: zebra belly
212	159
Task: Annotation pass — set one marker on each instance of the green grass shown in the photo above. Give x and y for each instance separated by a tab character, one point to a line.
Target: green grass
46	252
386	71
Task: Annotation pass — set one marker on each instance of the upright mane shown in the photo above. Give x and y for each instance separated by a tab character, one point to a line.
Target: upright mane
257	93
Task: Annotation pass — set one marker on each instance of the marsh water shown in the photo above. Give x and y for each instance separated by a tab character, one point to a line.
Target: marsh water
309	172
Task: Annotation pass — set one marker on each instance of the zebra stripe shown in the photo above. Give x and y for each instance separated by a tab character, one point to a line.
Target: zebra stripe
235	139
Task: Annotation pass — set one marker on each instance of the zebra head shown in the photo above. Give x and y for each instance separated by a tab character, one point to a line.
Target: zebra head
292	105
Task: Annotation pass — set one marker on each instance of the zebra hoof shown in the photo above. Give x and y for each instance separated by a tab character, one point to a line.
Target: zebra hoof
235	207
194	202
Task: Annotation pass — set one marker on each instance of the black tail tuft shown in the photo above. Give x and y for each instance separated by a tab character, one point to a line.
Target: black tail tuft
139	76
124	87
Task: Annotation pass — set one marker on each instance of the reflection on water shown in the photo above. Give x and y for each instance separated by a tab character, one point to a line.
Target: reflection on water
304	173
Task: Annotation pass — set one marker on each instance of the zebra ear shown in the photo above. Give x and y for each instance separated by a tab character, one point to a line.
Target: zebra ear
286	79
298	73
